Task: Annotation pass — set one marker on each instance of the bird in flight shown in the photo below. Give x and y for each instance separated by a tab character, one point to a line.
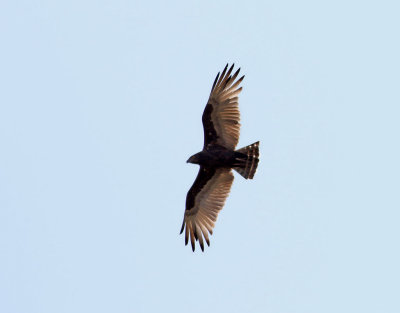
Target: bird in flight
221	126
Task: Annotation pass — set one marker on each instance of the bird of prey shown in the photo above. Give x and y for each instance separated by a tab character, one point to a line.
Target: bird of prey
221	126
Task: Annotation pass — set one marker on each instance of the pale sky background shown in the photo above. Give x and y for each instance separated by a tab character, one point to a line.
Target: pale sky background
100	107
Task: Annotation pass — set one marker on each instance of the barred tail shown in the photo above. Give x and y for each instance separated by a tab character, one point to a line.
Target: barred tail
249	160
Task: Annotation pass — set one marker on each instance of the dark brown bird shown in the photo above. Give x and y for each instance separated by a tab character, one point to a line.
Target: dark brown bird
217	159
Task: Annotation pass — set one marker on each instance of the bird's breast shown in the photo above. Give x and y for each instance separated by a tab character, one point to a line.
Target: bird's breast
217	158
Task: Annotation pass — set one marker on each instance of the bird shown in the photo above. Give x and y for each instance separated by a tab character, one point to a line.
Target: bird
207	196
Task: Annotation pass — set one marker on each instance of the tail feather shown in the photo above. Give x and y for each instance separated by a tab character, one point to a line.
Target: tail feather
250	160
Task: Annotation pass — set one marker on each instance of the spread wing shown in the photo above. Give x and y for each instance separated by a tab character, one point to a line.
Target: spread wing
221	116
203	202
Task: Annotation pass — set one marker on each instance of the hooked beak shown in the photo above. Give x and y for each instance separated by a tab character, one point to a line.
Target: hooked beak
190	160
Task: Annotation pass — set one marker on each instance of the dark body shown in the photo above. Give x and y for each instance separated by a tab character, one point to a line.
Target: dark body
218	156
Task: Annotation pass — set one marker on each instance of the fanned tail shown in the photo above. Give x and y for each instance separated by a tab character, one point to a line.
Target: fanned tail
248	160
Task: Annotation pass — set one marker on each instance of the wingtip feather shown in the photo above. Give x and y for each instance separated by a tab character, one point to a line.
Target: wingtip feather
215	82
186	235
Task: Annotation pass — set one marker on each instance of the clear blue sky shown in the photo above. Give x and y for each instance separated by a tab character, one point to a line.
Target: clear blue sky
100	107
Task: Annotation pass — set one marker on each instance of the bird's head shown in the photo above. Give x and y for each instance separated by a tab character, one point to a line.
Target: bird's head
193	159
